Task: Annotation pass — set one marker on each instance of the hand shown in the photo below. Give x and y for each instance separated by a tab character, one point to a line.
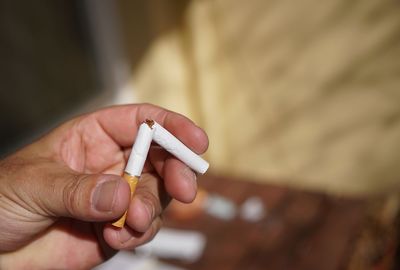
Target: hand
59	194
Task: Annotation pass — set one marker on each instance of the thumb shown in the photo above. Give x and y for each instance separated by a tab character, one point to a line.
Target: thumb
88	197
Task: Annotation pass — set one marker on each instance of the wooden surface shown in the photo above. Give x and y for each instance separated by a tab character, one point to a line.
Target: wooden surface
301	230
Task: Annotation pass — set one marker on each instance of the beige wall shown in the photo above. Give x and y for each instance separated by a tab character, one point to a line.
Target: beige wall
304	93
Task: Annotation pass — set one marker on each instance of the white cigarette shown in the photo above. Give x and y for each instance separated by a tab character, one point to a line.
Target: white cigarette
174	146
136	161
148	131
140	149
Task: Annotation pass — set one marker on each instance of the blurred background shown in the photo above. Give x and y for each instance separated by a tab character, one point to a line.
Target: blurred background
301	101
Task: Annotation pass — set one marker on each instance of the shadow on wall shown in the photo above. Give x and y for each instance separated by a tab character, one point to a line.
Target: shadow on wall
143	22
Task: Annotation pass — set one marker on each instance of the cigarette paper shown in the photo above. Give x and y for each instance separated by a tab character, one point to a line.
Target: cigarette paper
174	146
136	161
140	149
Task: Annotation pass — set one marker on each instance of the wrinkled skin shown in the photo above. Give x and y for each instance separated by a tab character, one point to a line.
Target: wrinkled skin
51	214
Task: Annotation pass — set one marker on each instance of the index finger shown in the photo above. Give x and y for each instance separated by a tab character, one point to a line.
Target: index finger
121	124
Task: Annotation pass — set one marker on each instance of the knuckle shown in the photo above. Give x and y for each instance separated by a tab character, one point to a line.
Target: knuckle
150	199
144	237
154	229
72	195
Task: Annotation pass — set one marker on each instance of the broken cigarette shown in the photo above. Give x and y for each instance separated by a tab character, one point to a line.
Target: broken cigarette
148	131
174	146
136	161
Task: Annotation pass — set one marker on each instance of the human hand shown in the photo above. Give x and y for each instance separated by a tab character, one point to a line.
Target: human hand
58	195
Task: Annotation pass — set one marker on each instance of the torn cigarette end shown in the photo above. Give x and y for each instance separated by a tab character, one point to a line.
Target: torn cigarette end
149	122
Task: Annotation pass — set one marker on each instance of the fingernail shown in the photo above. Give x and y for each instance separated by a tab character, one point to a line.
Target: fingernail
104	195
190	176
